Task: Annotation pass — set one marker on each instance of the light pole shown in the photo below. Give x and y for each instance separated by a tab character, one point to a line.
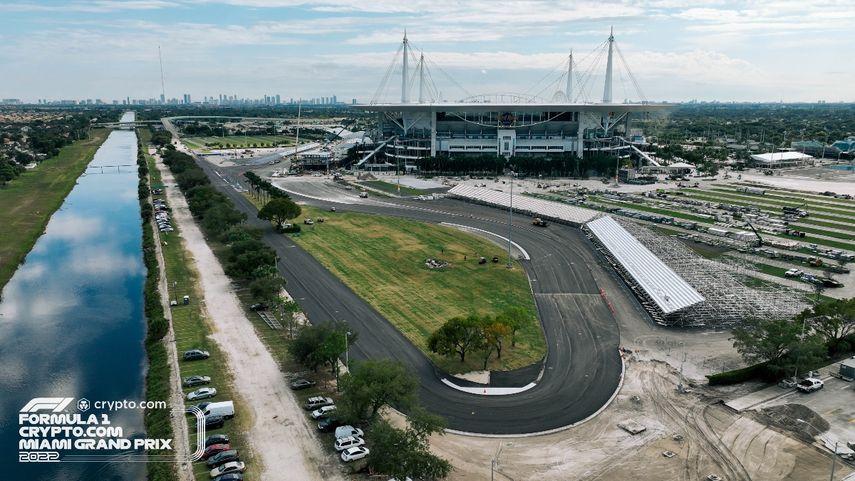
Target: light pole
799	356
833	459
346	351
510	217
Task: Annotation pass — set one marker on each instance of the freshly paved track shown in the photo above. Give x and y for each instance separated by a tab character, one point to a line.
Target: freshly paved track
582	368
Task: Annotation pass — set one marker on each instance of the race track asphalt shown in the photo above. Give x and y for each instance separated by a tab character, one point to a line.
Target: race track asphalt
582	368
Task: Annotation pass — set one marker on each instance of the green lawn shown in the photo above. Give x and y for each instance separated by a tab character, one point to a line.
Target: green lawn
382	260
392	188
27	203
237	141
192	331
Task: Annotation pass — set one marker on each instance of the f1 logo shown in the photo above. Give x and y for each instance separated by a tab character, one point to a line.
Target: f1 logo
56	404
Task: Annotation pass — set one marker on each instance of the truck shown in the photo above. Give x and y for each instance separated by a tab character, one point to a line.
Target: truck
225	409
537	221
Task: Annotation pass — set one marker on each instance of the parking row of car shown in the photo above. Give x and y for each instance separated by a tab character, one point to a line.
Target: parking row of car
349	440
224	461
161	216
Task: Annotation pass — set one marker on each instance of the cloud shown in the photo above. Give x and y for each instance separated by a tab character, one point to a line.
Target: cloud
99	6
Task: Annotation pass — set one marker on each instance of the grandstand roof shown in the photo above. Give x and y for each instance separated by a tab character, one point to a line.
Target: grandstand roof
664	286
773	157
536	207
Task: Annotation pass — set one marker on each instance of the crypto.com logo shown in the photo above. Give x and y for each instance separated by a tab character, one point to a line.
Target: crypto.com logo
55	404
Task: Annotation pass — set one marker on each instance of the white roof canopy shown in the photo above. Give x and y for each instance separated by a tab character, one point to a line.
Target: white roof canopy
664	286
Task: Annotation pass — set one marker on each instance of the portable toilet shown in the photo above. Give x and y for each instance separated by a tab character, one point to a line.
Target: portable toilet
847	368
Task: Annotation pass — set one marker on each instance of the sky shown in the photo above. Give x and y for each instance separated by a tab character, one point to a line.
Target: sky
674	50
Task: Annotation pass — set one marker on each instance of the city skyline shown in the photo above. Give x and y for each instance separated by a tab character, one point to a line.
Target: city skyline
678	51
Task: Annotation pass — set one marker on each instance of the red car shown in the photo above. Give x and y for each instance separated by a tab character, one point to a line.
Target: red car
214	449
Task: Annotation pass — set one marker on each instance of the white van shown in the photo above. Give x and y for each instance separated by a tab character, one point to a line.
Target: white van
225	409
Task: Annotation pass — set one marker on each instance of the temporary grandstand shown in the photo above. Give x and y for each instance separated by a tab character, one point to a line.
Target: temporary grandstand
661	290
725	299
554	211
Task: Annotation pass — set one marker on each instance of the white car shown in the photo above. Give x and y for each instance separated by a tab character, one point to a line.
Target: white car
793	273
315	402
348	442
352	454
810	384
230	467
347	430
324	411
203	393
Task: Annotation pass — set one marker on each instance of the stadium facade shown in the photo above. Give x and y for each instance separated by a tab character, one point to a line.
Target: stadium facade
501	125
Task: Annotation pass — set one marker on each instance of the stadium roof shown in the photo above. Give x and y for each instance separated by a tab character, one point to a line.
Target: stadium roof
664	286
536	207
773	157
512	107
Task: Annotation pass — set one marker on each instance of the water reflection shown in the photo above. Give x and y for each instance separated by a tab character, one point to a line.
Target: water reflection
71	318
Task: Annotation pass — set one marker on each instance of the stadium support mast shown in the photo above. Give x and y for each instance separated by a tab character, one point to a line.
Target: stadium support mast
607	91
569	92
404	96
422	79
162	85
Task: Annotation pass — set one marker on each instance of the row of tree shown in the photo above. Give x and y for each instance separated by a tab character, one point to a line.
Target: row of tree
461	335
783	346
248	260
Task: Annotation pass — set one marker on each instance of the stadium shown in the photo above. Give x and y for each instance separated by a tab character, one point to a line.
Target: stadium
559	119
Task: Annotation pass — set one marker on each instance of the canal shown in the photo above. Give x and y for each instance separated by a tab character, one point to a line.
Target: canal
71	318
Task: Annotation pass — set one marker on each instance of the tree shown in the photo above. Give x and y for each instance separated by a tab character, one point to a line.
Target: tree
266	288
322	344
494	333
515	318
374	384
765	340
834	319
405	453
279	210
458	335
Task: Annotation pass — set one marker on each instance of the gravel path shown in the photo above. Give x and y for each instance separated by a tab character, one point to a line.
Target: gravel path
280	432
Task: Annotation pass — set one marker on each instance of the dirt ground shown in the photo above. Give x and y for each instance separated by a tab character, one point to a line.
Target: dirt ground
280	433
714	441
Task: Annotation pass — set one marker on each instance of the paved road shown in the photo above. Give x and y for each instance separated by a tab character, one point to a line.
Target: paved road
582	368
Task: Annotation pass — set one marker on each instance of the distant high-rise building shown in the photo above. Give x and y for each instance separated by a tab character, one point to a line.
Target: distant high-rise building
186	99
334	99
278	99
353	101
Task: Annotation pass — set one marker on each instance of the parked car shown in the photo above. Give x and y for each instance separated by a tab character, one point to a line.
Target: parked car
216	439
348	442
200	406
196	380
316	402
322	412
363	195
810	384
225	409
214	422
195	354
352	454
347	430
328	424
214	449
203	393
829	282
230	477
259	307
793	273
226	468
308	221
332	209
302	384
223	457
